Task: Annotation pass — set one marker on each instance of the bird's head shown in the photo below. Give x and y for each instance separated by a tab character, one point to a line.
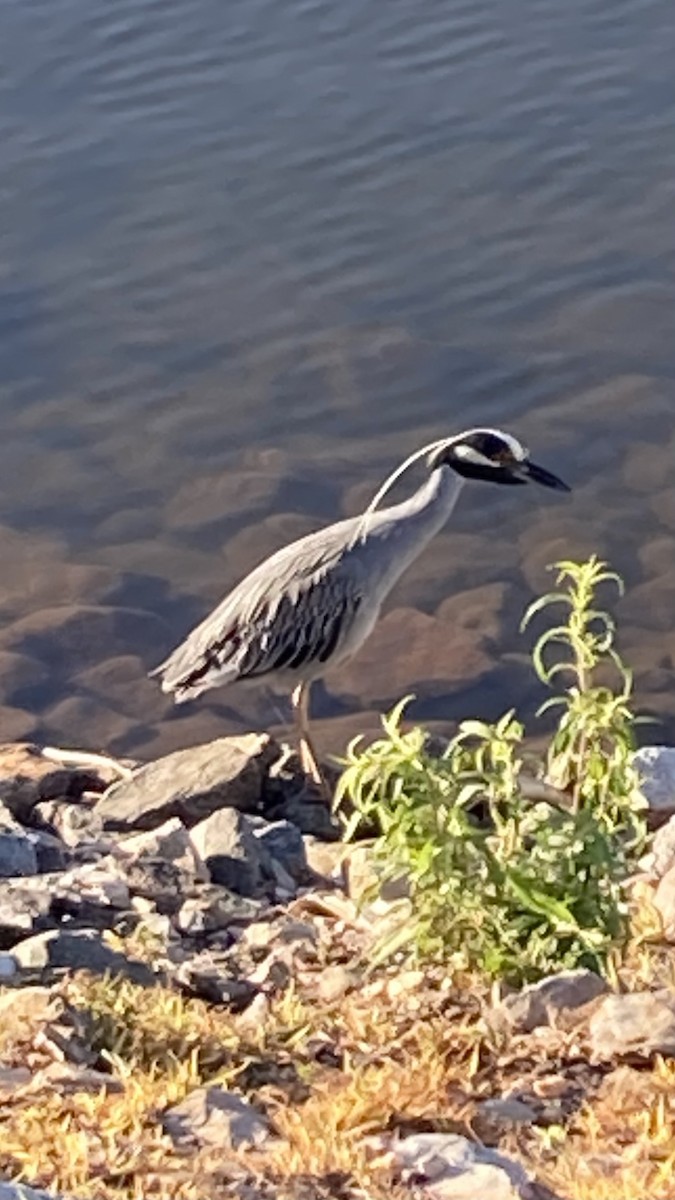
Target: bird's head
493	456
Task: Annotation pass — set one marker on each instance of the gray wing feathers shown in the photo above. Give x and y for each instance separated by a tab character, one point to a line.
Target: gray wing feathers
290	612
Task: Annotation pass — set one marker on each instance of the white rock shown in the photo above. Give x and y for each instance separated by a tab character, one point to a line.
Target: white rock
664	902
8	966
540	1003
656	765
99	882
450	1167
212	1116
661	855
19	1191
640	1023
171	841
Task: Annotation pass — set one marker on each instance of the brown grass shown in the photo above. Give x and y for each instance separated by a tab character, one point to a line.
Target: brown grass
335	1080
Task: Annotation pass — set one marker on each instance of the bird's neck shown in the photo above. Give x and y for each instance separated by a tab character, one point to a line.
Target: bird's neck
403	530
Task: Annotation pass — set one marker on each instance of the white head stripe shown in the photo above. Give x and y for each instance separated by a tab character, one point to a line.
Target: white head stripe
473	456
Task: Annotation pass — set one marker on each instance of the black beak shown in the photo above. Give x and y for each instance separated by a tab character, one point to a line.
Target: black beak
540	475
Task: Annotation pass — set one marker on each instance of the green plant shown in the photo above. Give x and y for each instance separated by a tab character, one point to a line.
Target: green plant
590	753
513	887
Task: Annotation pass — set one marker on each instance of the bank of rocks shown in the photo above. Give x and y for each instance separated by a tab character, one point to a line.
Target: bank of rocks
216	874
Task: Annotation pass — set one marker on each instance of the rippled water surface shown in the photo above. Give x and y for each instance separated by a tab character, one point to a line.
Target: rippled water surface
254	253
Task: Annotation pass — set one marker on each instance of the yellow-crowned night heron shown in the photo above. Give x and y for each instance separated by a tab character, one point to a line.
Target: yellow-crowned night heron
314	603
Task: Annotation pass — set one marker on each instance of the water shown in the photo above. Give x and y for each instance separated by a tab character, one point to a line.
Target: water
253	254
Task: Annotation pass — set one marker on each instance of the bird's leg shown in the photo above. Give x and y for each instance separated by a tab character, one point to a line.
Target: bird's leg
308	758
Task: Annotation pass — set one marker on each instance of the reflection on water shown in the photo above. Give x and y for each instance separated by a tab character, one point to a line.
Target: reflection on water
253	254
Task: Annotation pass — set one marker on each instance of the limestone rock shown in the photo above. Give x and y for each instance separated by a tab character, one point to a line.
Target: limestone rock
334	983
656	765
170	841
635	1025
26	778
192	784
283	841
20	1191
78	950
450	1167
661	856
540	1003
209	976
17	849
212	909
212	1116
8	967
234	856
664	902
74	824
25	908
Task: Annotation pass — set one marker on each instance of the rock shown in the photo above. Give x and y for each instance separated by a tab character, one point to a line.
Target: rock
74	824
20	1191
334	982
25	908
17	849
192	784
212	909
26	1011
478	611
100	884
664	902
635	1025
212	1116
122	683
79	950
661	856
8	966
104	725
67	1077
656	765
202	501
158	880
325	859
234	856
74	633
50	851
170	841
283	841
203	977
450	1167
12	1080
542	1002
497	1114
26	778
310	814
363	876
412	651
290	796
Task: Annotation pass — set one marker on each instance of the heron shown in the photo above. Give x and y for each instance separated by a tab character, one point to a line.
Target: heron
314	602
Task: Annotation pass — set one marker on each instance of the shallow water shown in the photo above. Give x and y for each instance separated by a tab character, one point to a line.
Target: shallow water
253	254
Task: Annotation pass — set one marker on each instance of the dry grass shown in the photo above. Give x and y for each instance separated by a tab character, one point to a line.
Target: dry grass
333	1078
